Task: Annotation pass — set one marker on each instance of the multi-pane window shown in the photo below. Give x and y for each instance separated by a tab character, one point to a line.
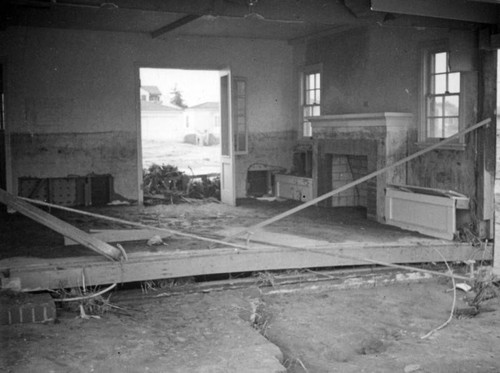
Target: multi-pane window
442	114
240	126
311	98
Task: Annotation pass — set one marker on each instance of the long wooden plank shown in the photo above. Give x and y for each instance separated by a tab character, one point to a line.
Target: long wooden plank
54	273
59	226
135	224
121	235
314	201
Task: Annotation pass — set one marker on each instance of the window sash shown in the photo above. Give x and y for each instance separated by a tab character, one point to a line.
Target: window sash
310	97
240	124
442	106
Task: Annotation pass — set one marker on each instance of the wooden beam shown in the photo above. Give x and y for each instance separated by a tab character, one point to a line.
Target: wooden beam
59	226
176	24
36	273
496	254
446	9
121	235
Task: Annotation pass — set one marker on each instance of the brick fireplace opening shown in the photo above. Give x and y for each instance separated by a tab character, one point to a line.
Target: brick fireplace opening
348	147
329	156
345	169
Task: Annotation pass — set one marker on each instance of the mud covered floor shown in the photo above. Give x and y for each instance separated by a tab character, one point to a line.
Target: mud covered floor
23	237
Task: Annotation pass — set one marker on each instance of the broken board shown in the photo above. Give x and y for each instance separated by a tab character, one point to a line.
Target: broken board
59	226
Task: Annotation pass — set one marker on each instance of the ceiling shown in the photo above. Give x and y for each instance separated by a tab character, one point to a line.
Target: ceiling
265	19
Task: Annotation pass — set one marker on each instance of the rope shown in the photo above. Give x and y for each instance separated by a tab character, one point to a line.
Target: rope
453	304
87	296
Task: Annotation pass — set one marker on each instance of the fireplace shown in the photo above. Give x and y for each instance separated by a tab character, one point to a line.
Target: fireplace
348	147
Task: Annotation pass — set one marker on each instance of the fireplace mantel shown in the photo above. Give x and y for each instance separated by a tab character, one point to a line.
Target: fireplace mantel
385	119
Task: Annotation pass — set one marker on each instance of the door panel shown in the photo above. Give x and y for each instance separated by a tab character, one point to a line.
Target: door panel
228	187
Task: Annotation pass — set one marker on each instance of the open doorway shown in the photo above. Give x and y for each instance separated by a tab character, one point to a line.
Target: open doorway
180	127
180	119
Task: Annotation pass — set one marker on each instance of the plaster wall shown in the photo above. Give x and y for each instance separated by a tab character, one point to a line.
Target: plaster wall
73	97
370	70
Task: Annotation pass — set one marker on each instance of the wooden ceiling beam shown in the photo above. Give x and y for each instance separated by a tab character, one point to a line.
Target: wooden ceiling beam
469	11
174	25
330	12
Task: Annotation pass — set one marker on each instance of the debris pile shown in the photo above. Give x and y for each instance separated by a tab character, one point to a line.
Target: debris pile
167	183
485	287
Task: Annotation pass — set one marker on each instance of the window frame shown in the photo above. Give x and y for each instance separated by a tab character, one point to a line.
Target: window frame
426	52
304	73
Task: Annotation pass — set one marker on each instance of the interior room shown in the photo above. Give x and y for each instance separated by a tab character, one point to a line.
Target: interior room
354	135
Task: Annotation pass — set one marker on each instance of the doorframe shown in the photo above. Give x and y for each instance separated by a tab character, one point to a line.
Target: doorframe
496	220
137	97
227	161
7	130
138	65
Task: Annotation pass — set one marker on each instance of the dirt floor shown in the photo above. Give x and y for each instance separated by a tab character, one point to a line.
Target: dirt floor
262	327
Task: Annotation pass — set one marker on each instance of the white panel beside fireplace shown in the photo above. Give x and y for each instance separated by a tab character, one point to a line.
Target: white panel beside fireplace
431	215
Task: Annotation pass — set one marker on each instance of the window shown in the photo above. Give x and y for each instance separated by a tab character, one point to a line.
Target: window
311	97
441	104
240	130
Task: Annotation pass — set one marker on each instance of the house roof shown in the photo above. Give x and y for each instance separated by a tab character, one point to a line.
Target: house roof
206	105
158	106
152	89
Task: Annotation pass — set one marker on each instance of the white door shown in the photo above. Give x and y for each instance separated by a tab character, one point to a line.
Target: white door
227	177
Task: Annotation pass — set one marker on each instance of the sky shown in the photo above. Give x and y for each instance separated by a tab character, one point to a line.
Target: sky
196	86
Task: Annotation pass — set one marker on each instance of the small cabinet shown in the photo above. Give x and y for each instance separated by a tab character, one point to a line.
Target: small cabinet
294	187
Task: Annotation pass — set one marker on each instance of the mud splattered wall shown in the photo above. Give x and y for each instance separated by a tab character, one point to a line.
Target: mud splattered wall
72	100
371	70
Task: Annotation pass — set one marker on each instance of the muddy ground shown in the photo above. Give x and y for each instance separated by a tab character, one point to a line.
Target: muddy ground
380	329
262	327
306	329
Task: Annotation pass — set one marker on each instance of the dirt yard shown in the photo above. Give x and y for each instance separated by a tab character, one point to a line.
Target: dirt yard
264	325
186	157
